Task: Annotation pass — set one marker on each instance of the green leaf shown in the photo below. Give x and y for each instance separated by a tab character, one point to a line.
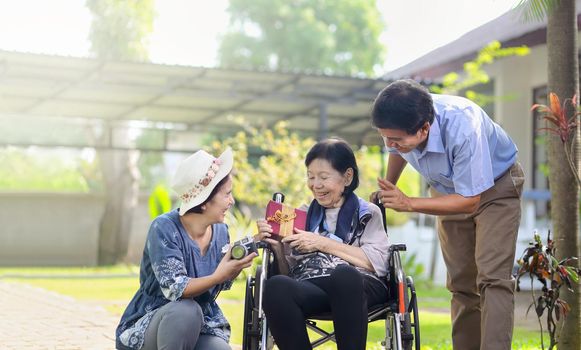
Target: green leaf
159	201
554	262
572	273
536	10
474	74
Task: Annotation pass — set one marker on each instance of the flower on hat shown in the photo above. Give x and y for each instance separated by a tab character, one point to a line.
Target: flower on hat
204	181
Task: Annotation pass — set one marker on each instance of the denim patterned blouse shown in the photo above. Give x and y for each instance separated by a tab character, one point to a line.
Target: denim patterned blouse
170	259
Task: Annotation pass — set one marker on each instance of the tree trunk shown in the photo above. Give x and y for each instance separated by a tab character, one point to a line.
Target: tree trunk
120	177
564	81
119	30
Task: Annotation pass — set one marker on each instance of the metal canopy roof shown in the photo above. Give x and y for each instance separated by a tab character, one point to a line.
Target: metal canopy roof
191	98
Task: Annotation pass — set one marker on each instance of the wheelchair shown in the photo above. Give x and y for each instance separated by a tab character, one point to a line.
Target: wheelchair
399	312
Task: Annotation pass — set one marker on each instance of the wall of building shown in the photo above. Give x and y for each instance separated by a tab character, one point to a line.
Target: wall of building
58	229
514	81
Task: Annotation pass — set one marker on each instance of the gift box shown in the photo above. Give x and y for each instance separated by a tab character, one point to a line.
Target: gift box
284	218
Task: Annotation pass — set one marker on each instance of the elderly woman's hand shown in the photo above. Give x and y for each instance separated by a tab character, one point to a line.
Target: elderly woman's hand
264	230
264	233
305	241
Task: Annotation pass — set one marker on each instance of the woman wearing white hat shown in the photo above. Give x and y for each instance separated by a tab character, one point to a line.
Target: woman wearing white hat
183	268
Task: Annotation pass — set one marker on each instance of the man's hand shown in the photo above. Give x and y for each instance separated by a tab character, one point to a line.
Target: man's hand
392	197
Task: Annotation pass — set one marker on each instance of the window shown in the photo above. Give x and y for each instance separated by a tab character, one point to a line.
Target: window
540	163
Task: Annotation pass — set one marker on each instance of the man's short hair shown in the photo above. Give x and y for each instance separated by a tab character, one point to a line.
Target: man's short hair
403	105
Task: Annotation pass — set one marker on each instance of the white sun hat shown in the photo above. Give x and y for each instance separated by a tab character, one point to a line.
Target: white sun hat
197	176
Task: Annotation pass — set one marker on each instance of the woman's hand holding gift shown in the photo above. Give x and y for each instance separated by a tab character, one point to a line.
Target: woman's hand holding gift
305	241
264	233
264	230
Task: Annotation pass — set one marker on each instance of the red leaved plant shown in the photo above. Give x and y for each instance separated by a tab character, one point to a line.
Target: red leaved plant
556	115
538	262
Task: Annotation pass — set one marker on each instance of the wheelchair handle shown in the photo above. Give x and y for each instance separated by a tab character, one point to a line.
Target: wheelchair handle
398	247
382	210
278	197
261	244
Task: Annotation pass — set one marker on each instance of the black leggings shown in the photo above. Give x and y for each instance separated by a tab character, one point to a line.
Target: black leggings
346	294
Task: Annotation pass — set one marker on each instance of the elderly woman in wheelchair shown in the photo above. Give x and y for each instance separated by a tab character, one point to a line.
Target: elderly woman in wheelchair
337	266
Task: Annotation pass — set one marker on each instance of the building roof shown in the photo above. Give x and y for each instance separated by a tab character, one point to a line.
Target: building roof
510	29
180	99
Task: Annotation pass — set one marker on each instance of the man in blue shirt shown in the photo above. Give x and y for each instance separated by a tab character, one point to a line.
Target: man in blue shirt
476	184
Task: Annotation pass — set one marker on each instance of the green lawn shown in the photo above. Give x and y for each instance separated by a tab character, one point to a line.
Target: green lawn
97	286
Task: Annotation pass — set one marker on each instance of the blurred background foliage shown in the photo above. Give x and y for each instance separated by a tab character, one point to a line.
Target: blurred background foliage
473	75
24	171
120	29
272	160
330	37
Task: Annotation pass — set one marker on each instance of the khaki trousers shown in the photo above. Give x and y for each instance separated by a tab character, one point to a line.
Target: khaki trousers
479	252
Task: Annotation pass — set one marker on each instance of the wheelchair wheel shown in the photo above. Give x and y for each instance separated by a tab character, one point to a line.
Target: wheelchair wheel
405	326
250	329
413	312
398	335
392	332
253	322
402	323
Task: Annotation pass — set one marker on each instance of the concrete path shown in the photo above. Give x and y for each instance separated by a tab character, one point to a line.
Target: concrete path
33	318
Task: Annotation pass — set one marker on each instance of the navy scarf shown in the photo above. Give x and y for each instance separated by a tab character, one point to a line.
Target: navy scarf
348	215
